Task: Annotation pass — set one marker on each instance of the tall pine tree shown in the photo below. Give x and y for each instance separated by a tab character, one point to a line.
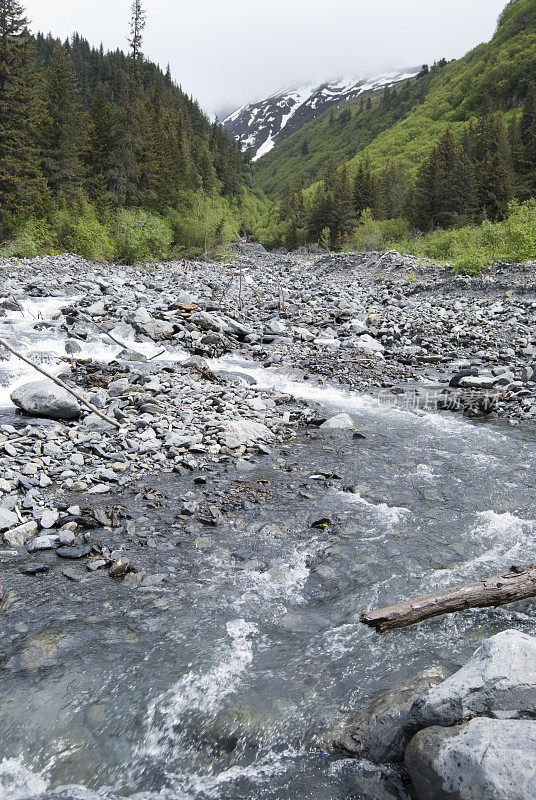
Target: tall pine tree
62	128
22	186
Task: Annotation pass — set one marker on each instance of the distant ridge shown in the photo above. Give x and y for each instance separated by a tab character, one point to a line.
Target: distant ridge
259	126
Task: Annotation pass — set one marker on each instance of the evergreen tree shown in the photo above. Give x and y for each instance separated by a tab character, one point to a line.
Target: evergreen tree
342	215
22	186
100	145
304	150
445	189
62	127
137	26
366	188
487	145
394	189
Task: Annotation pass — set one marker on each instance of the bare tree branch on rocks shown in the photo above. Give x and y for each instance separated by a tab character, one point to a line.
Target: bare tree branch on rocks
517	584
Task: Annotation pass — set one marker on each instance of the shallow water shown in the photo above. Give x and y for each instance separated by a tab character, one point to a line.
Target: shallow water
214	683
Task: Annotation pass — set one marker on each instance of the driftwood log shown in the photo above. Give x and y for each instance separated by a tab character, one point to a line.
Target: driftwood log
79	396
497	590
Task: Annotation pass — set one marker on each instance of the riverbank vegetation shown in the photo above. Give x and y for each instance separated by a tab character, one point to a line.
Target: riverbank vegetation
103	154
431	166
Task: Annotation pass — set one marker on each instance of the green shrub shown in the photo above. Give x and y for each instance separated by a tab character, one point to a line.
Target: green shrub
78	230
31	237
140	236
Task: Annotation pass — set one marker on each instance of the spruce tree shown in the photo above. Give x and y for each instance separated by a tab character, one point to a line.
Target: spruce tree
62	128
22	186
445	188
138	22
100	145
366	188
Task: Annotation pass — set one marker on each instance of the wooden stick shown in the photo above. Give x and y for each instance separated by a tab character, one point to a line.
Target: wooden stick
101	329
497	590
80	397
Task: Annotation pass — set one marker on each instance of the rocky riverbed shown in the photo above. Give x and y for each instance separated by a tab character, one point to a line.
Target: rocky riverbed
278	461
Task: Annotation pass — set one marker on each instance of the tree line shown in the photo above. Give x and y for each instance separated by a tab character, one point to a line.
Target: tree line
78	125
468	177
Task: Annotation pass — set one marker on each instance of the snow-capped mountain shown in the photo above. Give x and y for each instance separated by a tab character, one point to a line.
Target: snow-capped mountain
260	125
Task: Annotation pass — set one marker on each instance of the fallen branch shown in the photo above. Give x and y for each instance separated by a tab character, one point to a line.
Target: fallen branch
497	590
80	397
101	329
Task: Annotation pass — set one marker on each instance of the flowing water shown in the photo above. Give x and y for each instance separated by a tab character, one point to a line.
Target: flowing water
215	685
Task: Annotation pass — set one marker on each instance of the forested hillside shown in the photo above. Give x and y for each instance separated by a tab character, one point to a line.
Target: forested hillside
104	154
452	148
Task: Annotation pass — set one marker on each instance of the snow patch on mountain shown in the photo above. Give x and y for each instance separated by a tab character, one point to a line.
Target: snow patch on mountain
258	126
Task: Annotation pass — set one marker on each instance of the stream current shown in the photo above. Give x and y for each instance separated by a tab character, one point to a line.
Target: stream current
216	686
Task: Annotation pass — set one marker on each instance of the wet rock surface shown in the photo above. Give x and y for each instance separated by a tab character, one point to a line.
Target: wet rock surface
485	759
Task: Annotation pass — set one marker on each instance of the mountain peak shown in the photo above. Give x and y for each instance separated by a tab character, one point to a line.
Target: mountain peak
258	126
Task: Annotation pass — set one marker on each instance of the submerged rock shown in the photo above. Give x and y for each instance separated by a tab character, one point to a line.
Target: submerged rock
380	732
485	759
45	399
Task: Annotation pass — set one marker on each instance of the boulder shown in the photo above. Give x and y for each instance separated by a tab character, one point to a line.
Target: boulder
340	422
379	732
498	681
242	431
485	759
45	399
7	519
369	344
17	537
470	372
477	382
274	327
206	322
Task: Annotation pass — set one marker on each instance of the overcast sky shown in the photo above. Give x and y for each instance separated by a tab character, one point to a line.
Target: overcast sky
227	52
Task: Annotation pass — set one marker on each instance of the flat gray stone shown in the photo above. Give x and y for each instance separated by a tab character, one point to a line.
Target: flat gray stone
42	543
485	759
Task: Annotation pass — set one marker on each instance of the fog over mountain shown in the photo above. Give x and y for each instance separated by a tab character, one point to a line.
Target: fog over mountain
229	53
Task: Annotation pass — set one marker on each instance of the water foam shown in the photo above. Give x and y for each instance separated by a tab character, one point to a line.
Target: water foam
391	515
18	782
199	692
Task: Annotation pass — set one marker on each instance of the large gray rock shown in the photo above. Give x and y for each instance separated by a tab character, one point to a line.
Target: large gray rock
45	399
498	681
240	432
486	759
8	519
379	732
340	422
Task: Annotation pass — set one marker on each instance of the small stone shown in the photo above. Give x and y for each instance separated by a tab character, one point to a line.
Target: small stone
94	564
49	518
120	567
40	543
66	537
35	569
73	552
17	537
